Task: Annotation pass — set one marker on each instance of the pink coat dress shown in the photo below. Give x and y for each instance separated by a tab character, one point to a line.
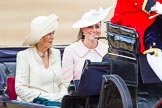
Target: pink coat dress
75	55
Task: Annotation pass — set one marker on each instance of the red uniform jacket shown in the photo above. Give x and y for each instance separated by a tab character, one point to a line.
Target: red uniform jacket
135	14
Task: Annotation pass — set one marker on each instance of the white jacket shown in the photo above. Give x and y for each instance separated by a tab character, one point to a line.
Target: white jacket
33	79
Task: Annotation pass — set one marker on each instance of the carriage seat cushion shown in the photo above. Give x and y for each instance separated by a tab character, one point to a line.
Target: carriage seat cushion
11	88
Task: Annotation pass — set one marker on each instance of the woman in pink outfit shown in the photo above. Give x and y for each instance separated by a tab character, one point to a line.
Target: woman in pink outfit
86	47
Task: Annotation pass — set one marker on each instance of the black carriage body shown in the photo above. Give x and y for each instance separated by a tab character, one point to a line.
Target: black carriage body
122	52
132	68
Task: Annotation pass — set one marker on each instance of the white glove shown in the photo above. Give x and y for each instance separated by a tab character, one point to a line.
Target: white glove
157	8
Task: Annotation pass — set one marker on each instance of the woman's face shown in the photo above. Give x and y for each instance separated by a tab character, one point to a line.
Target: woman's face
47	40
93	31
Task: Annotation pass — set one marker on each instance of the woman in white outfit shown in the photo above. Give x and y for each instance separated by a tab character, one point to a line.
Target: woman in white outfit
38	71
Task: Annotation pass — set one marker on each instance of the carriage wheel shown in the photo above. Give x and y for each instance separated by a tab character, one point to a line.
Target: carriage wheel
111	84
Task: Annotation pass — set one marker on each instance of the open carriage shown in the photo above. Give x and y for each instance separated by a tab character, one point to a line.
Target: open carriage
121	80
127	79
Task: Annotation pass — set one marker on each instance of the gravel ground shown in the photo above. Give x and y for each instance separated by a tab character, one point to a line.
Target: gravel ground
16	15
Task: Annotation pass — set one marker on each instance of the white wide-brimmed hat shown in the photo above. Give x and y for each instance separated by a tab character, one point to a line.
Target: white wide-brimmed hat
92	17
155	63
41	26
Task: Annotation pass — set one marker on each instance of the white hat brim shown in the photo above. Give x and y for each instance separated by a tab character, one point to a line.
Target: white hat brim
155	63
91	20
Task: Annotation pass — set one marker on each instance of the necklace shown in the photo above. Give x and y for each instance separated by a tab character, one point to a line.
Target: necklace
42	54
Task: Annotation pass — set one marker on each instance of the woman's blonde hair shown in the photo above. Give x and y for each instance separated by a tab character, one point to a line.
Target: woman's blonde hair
80	35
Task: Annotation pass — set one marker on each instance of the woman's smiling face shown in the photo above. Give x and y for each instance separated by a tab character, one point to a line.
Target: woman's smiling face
93	31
